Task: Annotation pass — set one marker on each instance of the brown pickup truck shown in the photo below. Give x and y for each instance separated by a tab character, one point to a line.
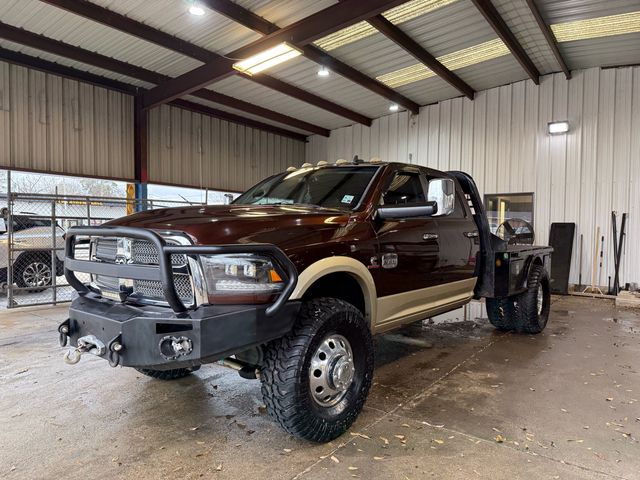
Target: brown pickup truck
289	282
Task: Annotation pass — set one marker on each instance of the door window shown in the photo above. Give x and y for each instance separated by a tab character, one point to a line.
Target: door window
405	189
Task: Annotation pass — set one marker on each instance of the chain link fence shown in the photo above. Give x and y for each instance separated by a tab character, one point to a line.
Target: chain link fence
32	233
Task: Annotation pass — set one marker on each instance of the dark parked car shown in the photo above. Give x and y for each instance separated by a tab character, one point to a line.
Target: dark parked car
290	282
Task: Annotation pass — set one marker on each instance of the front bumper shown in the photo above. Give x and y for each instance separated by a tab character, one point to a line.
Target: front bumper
214	332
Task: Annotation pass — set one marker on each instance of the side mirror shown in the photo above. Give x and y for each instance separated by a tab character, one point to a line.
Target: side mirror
401	211
442	191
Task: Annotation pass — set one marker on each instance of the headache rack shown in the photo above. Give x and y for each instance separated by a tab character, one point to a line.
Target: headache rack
163	271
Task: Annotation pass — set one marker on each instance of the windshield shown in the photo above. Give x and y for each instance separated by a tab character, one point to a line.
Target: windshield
341	187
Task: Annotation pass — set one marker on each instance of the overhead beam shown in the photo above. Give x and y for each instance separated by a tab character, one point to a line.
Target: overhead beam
232	117
247	18
82	76
407	43
492	16
65	50
45	66
299	93
549	37
140	30
301	33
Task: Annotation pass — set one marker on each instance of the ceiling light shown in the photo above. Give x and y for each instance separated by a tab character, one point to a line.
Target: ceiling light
196	9
557	128
453	61
267	59
323	72
399	14
393	107
597	27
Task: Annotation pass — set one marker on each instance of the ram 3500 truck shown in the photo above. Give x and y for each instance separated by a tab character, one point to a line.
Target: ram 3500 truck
290	282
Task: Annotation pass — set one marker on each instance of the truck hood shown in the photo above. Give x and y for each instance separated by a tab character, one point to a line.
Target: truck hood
288	226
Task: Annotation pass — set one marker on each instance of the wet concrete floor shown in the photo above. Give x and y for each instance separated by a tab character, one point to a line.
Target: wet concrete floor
450	400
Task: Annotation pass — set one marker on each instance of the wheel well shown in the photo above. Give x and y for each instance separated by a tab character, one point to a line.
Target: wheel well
338	285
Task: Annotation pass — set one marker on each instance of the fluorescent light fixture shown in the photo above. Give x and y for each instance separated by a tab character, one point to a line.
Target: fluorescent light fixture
393	107
453	61
597	27
558	128
267	59
396	15
196	10
323	72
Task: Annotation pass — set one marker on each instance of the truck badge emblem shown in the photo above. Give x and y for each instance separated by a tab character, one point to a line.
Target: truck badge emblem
389	260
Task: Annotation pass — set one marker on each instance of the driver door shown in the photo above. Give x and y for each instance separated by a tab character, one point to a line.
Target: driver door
409	247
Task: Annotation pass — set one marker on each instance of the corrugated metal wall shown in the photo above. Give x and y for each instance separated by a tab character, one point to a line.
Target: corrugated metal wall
52	124
501	139
187	148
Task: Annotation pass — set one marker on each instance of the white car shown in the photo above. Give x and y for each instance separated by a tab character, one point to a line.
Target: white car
32	244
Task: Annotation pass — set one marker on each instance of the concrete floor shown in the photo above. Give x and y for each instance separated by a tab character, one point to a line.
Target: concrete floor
452	400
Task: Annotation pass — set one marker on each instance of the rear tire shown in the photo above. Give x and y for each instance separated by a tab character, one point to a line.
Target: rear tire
535	303
316	379
502	313
173	374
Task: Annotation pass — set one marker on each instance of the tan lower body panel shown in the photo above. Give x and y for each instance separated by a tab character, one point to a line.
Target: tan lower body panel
402	308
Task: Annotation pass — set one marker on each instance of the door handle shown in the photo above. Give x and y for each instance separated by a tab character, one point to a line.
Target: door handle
429	236
471	234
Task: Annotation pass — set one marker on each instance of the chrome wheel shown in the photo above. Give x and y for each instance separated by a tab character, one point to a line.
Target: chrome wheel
331	371
37	274
540	299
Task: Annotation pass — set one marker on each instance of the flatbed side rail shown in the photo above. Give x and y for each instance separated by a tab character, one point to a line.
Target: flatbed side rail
164	271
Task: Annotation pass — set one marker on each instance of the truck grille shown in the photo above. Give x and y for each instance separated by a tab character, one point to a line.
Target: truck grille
143	253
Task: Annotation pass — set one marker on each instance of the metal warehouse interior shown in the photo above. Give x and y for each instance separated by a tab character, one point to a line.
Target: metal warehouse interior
537	100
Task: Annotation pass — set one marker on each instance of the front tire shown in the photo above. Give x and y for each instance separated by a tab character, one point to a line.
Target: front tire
173	374
316	379
33	272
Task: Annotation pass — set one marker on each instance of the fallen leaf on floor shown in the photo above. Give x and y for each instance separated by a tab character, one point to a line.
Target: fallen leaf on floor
400	437
564	410
361	435
334	459
378	458
352	468
386	442
406	425
496	430
288	450
219	468
430	425
193	429
24	370
609	399
499	438
438	441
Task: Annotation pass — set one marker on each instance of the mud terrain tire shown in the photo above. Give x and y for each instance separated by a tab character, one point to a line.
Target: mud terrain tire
502	313
167	374
291	363
535	303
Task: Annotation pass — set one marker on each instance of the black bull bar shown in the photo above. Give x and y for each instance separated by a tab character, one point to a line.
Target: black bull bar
163	272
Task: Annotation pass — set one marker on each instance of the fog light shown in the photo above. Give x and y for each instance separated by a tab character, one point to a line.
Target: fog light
173	347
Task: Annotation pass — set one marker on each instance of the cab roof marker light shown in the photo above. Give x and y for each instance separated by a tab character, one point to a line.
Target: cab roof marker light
341	161
396	15
267	59
322	163
597	27
306	165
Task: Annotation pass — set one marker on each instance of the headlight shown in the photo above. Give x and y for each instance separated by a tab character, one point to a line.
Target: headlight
240	278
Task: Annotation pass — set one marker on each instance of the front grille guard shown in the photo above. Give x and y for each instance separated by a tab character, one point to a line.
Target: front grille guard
163	272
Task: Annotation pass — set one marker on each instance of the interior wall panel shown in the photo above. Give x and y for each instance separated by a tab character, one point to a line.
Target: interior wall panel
55	125
501	139
187	148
